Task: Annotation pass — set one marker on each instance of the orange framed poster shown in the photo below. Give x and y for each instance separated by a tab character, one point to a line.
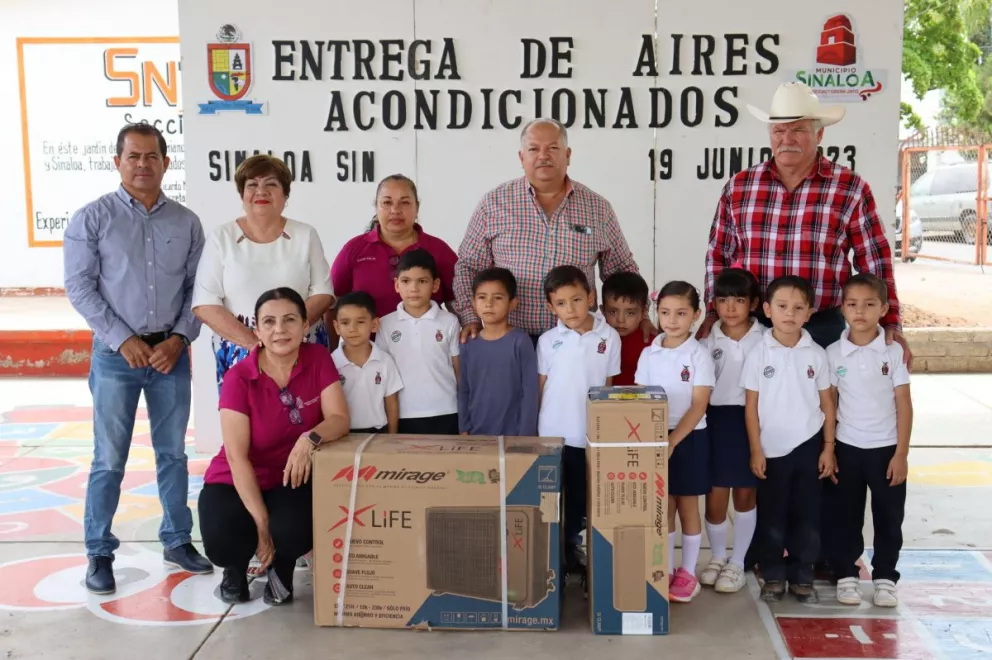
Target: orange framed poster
76	93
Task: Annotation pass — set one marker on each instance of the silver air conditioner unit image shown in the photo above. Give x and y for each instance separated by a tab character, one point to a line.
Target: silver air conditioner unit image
463	554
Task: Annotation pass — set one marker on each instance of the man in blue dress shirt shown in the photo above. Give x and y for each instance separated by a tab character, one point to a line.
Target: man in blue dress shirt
130	258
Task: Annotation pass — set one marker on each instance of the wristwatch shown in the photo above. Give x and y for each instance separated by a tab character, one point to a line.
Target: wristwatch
314	439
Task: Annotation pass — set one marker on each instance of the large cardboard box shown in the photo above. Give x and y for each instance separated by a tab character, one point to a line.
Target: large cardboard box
628	510
425	545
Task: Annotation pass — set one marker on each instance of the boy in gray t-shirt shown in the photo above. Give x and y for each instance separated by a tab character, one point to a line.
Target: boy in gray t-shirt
497	388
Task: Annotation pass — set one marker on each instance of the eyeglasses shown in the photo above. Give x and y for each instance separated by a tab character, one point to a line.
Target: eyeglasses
287	399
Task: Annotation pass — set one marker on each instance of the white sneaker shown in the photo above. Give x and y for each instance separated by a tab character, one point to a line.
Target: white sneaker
731	579
885	594
849	591
712	571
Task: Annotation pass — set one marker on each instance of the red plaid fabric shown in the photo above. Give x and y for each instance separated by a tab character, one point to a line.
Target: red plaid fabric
761	226
509	229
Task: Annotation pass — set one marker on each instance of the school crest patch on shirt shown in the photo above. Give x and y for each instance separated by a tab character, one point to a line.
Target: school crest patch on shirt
768	372
378	378
717	353
809	372
556	345
685	375
395	336
342	380
602	346
841	371
438	337
885	368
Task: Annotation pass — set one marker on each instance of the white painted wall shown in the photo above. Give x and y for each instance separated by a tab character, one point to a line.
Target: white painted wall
666	221
23	266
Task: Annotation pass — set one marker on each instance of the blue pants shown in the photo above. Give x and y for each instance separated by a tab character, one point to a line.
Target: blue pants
116	388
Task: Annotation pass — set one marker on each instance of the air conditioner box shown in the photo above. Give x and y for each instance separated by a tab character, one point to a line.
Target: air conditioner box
628	510
428	530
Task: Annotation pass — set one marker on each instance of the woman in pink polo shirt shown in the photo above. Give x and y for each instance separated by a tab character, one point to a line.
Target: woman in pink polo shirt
276	406
366	262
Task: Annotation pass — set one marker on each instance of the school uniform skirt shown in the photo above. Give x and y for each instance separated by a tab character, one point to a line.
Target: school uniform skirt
730	450
689	465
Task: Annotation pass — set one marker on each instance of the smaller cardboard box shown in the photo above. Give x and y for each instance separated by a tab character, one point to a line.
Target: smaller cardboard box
414	532
628	510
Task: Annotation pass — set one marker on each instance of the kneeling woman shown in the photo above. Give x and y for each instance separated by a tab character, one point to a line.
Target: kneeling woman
276	406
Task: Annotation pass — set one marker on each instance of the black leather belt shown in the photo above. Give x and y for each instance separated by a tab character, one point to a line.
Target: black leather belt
153	338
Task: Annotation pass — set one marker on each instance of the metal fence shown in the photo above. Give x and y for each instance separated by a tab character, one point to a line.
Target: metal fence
942	208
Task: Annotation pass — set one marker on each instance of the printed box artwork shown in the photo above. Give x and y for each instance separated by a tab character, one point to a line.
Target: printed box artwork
426	540
628	511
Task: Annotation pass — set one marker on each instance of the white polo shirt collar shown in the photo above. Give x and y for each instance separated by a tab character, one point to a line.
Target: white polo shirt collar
805	341
877	344
431	312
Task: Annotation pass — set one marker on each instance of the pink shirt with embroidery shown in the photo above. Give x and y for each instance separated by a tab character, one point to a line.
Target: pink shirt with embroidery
273	434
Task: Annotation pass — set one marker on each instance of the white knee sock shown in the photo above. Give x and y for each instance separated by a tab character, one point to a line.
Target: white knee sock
671	551
690	551
744	524
718	538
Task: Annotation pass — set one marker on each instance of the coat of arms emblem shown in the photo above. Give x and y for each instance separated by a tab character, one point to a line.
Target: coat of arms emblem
229	73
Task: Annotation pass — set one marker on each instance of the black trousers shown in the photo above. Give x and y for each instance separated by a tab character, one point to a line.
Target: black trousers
439	425
230	536
861	470
789	500
824	327
573	486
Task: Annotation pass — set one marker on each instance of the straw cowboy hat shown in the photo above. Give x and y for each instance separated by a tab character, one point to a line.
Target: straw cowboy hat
794	101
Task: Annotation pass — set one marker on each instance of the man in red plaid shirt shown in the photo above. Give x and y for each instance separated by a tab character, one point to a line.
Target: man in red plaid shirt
800	214
535	223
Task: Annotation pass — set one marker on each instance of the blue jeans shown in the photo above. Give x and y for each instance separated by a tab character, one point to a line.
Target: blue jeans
116	388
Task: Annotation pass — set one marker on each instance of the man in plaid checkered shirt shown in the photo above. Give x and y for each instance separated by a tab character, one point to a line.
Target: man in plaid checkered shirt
535	223
800	214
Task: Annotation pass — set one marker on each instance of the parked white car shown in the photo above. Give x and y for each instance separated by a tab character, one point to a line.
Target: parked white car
946	199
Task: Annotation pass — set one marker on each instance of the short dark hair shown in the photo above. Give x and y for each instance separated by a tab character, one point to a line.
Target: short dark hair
736	283
560	276
874	282
282	293
263	165
358	299
501	275
682	290
418	258
626	286
141	128
791	282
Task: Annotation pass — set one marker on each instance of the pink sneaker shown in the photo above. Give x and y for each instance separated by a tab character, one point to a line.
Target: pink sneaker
684	586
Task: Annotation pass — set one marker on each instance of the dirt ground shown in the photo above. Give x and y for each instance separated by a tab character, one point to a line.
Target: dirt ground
939	295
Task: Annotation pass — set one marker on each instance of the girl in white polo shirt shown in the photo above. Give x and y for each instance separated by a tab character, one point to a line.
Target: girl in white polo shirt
790	416
874	422
736	295
680	364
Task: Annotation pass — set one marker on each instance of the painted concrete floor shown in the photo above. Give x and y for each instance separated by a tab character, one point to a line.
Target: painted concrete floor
45	450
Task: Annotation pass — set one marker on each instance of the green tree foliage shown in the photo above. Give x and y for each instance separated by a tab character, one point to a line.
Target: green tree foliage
938	53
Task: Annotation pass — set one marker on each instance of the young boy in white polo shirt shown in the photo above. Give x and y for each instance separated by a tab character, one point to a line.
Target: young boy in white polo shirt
874	422
790	415
369	375
582	351
423	340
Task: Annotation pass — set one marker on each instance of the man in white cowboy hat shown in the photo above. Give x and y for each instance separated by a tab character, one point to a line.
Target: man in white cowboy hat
800	214
816	201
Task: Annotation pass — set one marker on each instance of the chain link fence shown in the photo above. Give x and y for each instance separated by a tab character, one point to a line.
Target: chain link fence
943	203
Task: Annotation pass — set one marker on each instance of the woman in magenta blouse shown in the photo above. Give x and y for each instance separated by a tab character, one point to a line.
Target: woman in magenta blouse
276	407
366	262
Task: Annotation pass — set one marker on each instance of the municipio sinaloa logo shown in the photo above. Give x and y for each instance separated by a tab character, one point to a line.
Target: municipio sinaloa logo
839	73
229	74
